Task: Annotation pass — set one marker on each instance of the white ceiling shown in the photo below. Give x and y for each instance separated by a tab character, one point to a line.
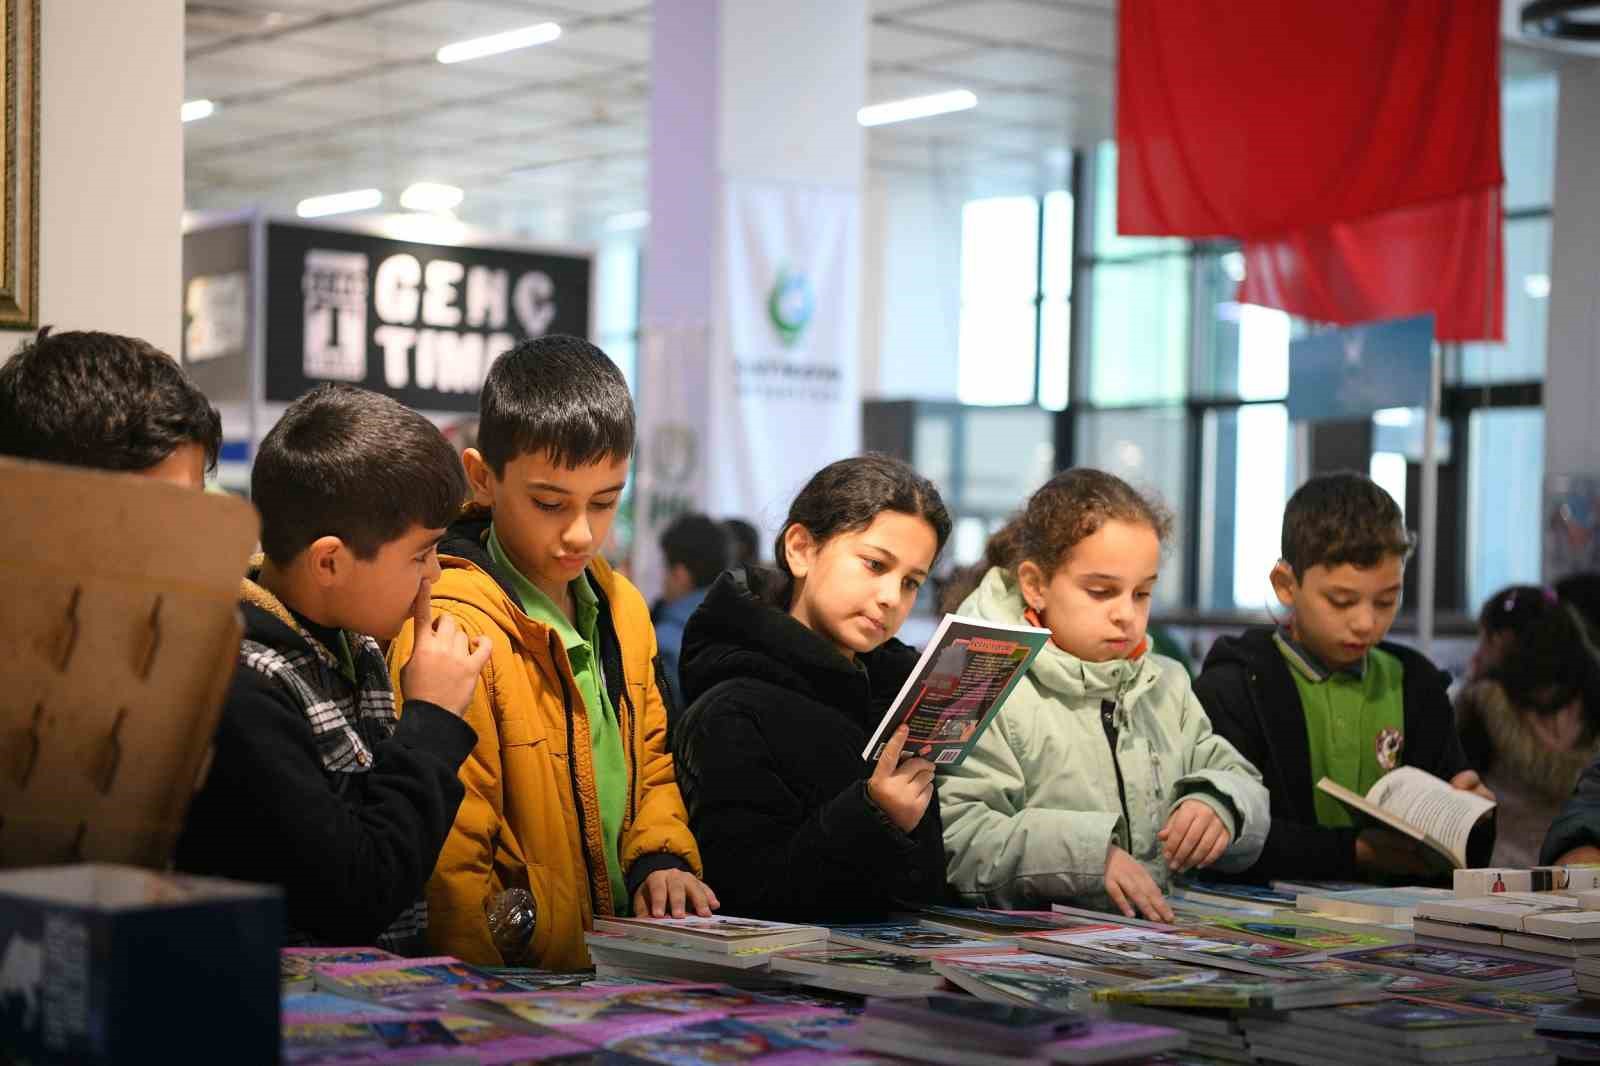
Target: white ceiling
319	96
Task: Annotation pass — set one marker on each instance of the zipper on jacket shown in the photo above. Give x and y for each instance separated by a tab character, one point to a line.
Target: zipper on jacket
633	757
1108	722
572	773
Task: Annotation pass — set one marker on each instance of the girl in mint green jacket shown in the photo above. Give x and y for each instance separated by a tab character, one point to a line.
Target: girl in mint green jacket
1100	777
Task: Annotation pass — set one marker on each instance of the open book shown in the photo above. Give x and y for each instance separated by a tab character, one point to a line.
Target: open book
965	674
1413	802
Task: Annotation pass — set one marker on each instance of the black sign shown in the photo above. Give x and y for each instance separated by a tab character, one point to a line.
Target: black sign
420	322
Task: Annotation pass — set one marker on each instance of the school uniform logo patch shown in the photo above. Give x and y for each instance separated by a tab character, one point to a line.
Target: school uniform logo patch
1389	744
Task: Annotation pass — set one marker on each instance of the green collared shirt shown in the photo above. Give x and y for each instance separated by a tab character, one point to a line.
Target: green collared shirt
580	638
1355	721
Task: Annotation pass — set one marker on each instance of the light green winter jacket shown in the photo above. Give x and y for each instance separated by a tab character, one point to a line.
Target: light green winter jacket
1030	814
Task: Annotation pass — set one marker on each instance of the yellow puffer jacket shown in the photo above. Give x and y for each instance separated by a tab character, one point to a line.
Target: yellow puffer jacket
531	817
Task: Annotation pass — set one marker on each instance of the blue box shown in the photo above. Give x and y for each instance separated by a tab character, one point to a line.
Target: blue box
115	964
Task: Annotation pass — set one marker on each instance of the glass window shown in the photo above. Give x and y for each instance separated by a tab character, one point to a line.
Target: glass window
999	283
1528	139
1055	291
1005	456
1149	450
1247	475
1139	330
1504	489
1107	242
1244	348
616	305
1527	281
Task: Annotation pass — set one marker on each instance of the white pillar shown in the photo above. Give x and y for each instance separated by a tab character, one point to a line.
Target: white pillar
110	169
748	363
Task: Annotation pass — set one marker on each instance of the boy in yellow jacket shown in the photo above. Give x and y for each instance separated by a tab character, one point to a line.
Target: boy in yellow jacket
570	792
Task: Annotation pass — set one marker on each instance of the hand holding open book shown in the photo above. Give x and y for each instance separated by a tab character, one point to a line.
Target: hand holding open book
1453	823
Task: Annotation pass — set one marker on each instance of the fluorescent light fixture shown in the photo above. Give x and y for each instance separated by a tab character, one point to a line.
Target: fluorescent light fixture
425	228
627	220
338	203
194	110
495	43
916	107
430	196
1537	286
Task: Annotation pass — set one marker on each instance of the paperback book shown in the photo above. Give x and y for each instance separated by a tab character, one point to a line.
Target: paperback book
911	938
1494	880
1297	932
995	922
717	934
1454	824
1384	906
966	672
1462	965
863	971
1213	988
1101	1041
412	1038
401	981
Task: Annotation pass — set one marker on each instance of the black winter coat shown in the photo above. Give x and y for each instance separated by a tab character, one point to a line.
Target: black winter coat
769	761
1251	698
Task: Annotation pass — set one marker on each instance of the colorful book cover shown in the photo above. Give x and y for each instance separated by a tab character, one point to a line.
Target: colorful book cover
599	1015
313	1040
1506	1002
1211	988
716	933
328	1005
1260	895
1043	980
725	1040
867	960
966	672
1402	1016
1393	983
1447	962
316	956
909	937
1303	935
1000	921
406	978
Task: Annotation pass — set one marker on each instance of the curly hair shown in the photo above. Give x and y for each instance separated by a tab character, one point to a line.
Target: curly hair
1071	506
1340	518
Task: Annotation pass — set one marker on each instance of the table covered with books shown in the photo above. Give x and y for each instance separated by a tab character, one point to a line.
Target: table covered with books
1495	970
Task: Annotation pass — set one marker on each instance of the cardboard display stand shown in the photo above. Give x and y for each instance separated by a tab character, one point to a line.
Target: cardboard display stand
119	627
119	630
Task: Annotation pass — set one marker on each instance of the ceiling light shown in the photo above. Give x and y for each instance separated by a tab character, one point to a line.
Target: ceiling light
628	220
916	107
495	43
1537	286
430	196
339	203
193	110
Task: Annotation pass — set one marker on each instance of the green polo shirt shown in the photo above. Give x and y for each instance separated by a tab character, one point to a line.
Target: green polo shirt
1348	712
605	734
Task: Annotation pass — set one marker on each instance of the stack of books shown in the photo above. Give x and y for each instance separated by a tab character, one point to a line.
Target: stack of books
1043	980
1380	906
1215	1033
1586	975
719	948
1121	943
971	1032
1494	880
858	971
1543	927
1394	1031
1216	989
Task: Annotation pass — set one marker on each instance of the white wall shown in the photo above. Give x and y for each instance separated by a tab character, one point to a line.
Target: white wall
110	168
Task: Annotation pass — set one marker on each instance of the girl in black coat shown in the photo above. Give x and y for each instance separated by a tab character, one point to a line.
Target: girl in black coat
788	672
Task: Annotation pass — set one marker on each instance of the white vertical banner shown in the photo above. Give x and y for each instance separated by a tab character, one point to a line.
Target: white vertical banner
785	396
670	478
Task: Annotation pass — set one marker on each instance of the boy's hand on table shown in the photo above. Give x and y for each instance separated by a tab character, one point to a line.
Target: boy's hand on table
673	893
1469	781
1131	887
444	665
1193	836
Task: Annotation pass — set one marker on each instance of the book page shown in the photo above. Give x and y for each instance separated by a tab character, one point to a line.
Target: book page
1444	815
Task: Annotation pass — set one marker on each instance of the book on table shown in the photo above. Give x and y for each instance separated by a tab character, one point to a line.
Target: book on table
718	933
911	938
1084	1041
1459	964
996	922
862	971
1214	988
966	672
399	981
1494	880
1454	824
1383	906
1395	1030
613	947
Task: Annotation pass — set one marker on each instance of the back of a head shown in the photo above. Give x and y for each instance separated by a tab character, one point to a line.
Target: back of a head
558	395
1553	653
1340	518
697	543
356	465
744	542
1071	506
846	495
101	400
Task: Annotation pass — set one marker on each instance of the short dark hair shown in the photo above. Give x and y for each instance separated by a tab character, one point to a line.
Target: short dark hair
101	400
700	544
1552	656
744	541
356	465
845	496
1339	518
558	395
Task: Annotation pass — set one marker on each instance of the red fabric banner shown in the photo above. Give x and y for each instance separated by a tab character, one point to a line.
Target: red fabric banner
1353	147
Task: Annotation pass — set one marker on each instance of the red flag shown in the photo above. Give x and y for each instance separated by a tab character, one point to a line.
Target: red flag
1354	148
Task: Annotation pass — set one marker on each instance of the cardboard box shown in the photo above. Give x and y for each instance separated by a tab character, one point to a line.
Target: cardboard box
112	964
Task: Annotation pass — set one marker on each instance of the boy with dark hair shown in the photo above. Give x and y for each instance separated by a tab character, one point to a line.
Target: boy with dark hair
313	786
108	402
696	551
1324	696
571	795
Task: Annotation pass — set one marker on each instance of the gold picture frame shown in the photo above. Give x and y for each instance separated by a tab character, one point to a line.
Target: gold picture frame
19	146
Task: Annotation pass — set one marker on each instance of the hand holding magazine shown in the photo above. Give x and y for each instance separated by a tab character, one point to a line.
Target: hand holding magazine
966	672
1413	802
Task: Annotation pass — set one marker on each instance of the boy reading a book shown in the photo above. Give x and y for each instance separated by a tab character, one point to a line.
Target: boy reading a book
571	796
1325	696
313	785
108	402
